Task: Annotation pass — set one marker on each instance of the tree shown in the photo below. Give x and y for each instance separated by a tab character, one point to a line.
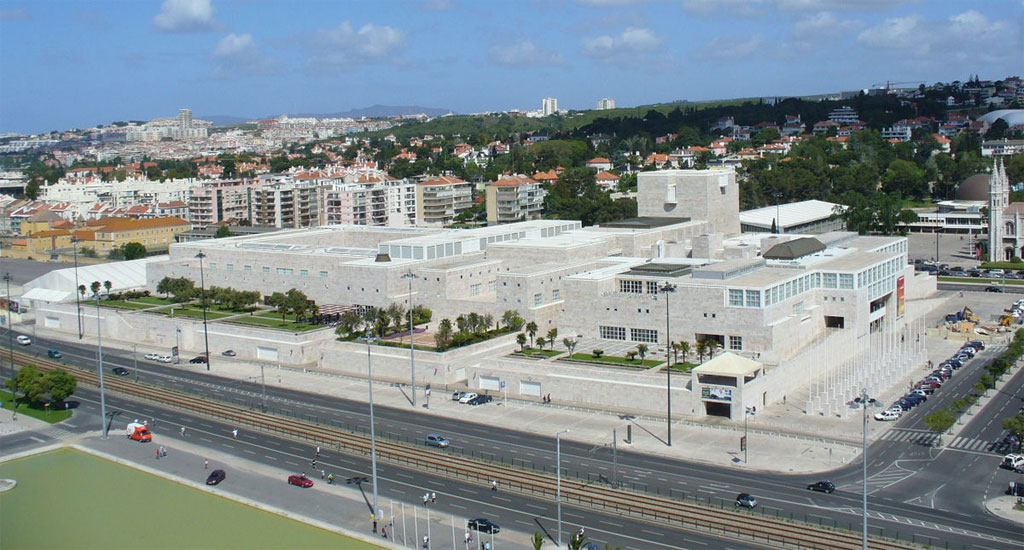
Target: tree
133	251
108	285
443	336
531	329
711	346
702	348
684	349
1015	425
552	335
940	421
537	541
87	252
95	287
641	350
349	321
61	384
296	302
222	231
81	290
279	301
163	287
570	345
512	320
521	340
541	342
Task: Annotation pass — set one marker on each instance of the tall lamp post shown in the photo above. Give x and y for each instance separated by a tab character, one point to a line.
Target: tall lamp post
373	435
412	340
99	366
78	303
864	403
667	289
10	345
558	478
749	411
778	212
206	332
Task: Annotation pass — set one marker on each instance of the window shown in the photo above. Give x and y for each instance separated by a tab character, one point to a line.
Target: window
538	299
266	269
643	335
652	287
633	287
304	272
247	268
323	274
231	267
845	280
735	297
830	280
613	333
556	295
285	271
736	342
492	286
753	298
213	265
474	290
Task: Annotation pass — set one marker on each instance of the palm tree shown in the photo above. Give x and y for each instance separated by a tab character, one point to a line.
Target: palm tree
521	340
702	348
81	290
641	349
577	541
569	344
531	329
108	285
712	345
95	287
684	348
538	540
541	342
552	334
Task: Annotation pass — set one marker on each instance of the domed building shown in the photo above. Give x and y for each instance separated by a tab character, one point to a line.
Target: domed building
974	188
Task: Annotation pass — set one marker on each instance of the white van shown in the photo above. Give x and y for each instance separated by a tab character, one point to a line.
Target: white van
23	340
1012	462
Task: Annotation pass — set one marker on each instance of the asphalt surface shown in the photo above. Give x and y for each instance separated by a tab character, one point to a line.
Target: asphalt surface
895	508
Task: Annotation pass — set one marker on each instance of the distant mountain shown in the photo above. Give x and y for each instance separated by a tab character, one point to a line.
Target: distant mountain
378	111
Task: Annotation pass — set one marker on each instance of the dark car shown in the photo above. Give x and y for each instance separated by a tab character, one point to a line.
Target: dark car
993	288
823	486
483	525
976	344
55	354
300	480
480	400
216	477
120	371
228	353
746	500
198	360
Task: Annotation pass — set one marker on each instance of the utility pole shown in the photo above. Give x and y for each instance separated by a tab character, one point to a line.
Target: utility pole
667	289
99	366
10	345
412	339
206	332
78	303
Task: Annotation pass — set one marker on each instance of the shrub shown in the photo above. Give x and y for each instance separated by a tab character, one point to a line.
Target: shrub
597	353
631	355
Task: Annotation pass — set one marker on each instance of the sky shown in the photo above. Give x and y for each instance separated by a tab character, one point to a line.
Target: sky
69	63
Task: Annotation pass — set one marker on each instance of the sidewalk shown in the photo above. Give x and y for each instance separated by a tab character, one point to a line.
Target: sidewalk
10	425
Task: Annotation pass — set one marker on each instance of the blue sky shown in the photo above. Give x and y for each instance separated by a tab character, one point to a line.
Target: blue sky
71	63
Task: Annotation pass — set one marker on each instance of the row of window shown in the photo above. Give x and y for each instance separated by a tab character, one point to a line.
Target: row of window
266	269
632	286
635	334
538	299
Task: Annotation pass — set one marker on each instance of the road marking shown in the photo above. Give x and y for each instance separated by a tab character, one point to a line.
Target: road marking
36	439
651	533
606	522
536	507
248	451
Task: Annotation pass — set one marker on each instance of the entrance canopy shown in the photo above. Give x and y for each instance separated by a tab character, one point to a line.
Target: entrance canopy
729	364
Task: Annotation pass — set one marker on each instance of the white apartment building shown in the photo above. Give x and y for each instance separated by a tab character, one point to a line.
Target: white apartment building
843	115
605	104
439	200
220	201
548	106
280	201
85	192
514	199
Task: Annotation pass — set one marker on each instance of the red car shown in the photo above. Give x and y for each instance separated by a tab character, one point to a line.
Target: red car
300	479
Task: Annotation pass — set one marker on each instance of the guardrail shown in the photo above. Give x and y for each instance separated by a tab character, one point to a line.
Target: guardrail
701	515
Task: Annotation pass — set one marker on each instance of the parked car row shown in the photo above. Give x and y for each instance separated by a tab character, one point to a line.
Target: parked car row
471	398
159	358
946	270
929	384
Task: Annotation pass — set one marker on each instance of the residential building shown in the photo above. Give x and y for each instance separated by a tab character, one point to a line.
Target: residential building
605	104
843	115
110	233
281	201
514	199
439	200
549	106
220	201
1002	147
897	132
599	163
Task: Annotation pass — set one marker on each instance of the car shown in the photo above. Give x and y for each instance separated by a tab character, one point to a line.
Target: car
23	340
483	525
969	350
928	390
120	371
996	272
886	416
215	477
437	440
1012	462
993	288
300	480
746	500
152	356
198	360
228	353
467	397
54	353
823	486
907	404
458	395
976	344
921	392
929	384
480	400
164	358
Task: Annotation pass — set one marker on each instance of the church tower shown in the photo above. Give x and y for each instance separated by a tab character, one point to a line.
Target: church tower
998	200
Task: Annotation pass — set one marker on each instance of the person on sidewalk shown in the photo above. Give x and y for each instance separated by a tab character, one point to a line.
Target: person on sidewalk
183	431
234	433
426	542
426	498
433	498
494	485
206	464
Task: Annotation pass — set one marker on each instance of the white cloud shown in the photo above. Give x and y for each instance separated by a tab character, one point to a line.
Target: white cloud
731	47
344	45
524	53
748	8
238	55
185	16
921	40
896	33
15	14
808	32
631	42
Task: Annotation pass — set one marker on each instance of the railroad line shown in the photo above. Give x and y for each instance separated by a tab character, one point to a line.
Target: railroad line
658	510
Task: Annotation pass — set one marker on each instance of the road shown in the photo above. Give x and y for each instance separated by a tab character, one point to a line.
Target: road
891	510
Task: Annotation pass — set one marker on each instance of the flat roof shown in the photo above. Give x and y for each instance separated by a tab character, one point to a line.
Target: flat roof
788	215
644	222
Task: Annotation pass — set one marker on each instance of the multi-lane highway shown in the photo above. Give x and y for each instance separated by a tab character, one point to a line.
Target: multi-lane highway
912	506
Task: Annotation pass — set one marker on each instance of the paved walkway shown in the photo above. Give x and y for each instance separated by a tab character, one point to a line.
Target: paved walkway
10	425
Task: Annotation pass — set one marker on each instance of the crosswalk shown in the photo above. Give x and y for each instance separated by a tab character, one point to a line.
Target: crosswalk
920	437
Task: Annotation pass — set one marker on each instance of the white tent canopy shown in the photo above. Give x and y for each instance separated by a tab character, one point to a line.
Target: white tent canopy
59	285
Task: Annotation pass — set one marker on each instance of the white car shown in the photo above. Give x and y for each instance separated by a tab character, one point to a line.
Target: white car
164	358
152	356
885	416
466	398
23	340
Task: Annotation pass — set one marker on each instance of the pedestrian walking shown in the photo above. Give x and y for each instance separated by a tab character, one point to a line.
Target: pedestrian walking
384	531
323	474
234	433
468	537
487	546
183	431
494	485
433	498
426	498
206	464
318	451
426	541
158	454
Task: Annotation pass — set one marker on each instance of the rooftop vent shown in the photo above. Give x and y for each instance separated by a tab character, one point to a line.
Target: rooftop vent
383	257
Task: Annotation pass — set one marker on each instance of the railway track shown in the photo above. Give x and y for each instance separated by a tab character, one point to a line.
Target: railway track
721	521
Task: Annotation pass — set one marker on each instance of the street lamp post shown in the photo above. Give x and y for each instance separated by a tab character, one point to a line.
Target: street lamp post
749	411
99	366
206	332
558	478
667	289
135	363
10	345
412	339
778	212
373	437
865	401
78	303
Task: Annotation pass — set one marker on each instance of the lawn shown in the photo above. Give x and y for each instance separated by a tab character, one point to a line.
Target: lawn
530	352
41	413
275	322
154	300
121	304
196	313
1015	266
981	280
613	360
683	367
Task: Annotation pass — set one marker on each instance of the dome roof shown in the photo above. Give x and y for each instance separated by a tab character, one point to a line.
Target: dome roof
1011	116
974	188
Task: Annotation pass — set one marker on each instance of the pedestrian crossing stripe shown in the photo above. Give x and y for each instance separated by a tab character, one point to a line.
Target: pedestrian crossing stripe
964	443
